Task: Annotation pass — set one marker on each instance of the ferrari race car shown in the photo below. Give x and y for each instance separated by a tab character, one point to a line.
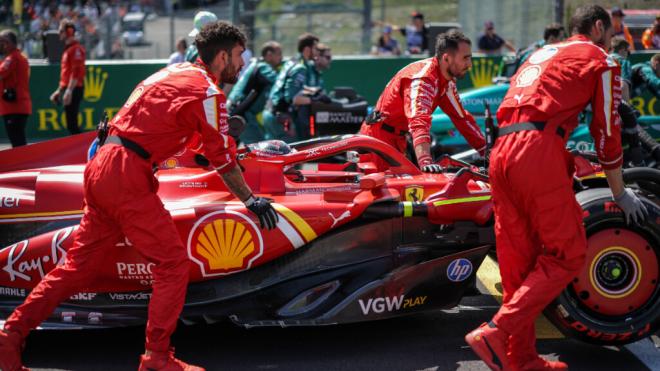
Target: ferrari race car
352	243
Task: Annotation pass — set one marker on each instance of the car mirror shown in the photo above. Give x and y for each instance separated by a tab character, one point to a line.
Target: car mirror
372	181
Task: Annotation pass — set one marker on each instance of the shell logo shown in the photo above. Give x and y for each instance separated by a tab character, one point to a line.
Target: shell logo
224	242
171	163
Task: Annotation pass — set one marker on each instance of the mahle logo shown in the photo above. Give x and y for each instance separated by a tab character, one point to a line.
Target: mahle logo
483	71
94	83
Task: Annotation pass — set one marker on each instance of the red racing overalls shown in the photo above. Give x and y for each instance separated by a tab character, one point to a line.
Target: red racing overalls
539	231
120	197
408	101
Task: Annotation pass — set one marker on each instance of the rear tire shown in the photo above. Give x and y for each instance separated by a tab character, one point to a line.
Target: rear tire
616	297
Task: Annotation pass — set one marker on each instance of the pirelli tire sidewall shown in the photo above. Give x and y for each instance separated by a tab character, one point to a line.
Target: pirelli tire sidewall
571	316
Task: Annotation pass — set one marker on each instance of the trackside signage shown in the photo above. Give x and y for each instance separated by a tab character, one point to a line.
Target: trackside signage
108	84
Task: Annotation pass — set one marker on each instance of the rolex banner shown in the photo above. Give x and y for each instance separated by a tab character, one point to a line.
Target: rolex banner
108	85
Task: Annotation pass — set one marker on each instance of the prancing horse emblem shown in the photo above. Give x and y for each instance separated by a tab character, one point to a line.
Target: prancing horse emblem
414	193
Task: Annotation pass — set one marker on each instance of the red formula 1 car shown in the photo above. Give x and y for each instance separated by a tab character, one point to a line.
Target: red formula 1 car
352	243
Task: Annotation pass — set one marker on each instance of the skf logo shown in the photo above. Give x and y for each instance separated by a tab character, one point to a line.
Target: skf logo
390	304
483	71
224	242
94	84
414	193
83	296
459	270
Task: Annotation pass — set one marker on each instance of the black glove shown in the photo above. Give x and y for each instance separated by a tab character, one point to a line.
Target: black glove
426	164
321	98
264	210
432	168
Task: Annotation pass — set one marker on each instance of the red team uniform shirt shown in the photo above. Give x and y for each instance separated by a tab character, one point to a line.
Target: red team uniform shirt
166	110
15	73
412	95
73	65
576	73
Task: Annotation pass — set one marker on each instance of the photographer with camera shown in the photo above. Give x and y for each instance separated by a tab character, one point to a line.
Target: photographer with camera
16	104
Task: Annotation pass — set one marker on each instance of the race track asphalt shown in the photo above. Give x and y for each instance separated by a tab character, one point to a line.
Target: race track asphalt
429	342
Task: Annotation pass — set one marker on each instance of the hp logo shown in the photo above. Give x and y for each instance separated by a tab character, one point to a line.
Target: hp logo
459	270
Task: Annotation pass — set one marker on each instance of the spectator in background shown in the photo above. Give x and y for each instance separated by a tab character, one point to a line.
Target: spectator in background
72	74
620	52
179	55
201	19
117	50
417	34
15	105
491	43
651	36
386	45
620	29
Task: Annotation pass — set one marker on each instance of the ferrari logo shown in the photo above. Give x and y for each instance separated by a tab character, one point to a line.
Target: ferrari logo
224	242
414	193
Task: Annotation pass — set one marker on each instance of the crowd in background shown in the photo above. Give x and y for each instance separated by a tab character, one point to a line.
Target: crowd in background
489	42
98	22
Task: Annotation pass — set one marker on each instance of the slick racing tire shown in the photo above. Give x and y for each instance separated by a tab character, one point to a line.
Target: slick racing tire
615	299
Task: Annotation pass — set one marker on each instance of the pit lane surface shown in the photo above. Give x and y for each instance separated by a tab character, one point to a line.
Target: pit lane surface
429	342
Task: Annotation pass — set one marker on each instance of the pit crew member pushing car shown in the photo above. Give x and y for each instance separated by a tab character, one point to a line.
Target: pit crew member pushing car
120	194
540	236
411	96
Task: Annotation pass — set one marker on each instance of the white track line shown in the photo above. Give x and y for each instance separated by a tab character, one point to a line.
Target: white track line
647	353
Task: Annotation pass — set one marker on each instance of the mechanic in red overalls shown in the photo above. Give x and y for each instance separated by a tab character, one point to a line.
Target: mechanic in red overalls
15	100
120	193
72	76
411	96
540	236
